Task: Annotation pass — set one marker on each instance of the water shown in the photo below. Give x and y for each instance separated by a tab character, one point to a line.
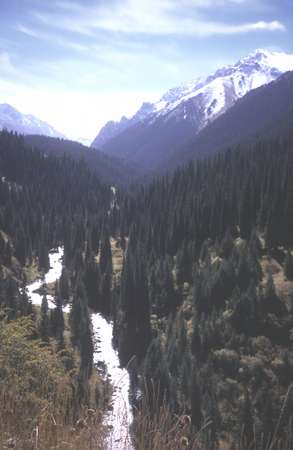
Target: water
119	418
53	274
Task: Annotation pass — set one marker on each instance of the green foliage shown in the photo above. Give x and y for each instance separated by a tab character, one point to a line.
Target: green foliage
44	325
80	329
57	318
32	373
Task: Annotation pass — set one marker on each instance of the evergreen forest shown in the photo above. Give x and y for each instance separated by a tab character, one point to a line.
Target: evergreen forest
194	269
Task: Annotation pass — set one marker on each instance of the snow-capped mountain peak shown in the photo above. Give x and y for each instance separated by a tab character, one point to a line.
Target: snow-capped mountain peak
13	120
272	59
202	100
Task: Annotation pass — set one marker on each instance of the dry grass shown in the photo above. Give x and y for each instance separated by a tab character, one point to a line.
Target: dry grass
117	257
158	430
38	397
283	286
48	431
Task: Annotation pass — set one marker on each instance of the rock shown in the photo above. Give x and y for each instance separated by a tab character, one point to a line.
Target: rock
10	443
81	424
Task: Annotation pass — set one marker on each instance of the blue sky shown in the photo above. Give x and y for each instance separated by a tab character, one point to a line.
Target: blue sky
77	64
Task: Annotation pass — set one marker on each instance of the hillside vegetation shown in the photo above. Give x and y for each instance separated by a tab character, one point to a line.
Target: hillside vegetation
206	294
196	272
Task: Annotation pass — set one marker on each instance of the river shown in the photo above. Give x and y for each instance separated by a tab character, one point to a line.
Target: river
119	417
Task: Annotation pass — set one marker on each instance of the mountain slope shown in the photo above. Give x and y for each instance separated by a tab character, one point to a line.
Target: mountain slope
13	120
263	113
108	168
151	136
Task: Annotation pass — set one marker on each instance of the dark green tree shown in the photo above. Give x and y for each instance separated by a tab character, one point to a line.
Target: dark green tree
288	266
44	324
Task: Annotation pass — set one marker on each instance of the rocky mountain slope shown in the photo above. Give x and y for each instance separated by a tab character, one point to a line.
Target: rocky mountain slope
152	134
264	113
13	120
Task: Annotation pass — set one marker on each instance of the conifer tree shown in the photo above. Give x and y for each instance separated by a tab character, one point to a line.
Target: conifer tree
64	284
183	265
245	219
80	328
44	263
106	254
25	302
288	266
246	421
92	282
44	325
57	318
195	398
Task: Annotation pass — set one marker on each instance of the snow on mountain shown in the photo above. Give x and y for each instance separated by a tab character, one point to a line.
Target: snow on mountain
201	101
84	141
13	120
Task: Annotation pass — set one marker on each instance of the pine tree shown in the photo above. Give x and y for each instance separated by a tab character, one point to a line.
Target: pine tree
44	263
78	313
183	265
92	282
245	219
134	303
106	255
57	321
44	325
195	398
25	302
64	284
243	272
81	330
246	422
288	266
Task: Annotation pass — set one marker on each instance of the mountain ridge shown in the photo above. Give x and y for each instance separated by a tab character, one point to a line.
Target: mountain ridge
260	114
13	120
151	135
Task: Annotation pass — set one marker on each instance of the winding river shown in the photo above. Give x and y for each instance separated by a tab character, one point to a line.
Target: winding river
119	417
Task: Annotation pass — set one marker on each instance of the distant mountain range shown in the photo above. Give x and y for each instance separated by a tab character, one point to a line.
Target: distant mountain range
13	120
155	133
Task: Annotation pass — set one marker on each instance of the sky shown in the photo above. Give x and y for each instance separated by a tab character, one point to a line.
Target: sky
77	64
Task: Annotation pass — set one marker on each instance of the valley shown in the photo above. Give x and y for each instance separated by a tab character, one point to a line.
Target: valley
146	285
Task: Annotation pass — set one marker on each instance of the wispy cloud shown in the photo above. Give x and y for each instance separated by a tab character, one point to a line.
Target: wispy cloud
48	36
99	59
6	66
149	17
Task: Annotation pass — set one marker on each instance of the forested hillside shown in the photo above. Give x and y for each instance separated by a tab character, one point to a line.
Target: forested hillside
263	113
46	358
196	271
206	294
109	169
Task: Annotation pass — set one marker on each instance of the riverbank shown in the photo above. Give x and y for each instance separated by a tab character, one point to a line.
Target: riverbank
118	418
